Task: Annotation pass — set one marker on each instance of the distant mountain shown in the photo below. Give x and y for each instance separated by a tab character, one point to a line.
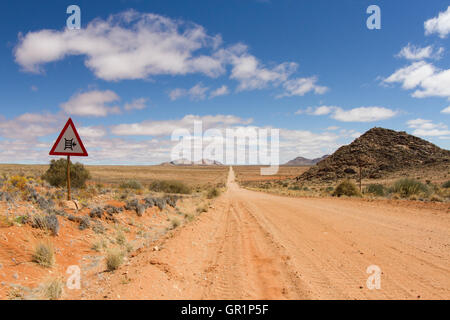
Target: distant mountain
185	162
380	152
301	161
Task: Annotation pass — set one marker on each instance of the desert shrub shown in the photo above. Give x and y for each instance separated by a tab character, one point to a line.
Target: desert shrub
132	204
44	254
53	289
84	222
56	175
114	259
436	198
446	184
346	188
96	212
175	223
160	203
18	182
48	222
169	186
99	245
15	293
201	209
375	189
213	193
172	200
120	238
407	187
131	184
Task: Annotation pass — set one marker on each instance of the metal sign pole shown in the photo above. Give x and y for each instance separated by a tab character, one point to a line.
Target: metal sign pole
68	177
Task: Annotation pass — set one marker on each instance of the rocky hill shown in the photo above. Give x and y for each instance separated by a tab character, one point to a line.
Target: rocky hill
380	152
301	161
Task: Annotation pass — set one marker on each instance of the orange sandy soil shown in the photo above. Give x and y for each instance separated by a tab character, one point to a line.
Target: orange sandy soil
254	245
72	246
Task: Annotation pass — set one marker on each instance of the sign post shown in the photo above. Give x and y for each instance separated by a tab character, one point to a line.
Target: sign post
68	144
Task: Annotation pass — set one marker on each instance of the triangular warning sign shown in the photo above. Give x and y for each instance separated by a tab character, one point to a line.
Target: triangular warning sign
69	142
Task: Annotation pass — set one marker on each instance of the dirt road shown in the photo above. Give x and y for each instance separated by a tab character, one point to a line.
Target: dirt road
254	245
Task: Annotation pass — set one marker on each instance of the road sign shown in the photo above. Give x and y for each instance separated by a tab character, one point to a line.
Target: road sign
69	142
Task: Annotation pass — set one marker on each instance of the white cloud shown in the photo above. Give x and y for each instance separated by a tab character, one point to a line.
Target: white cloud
92	103
177	93
429	80
439	24
136	104
361	114
166	127
28	126
91	132
132	45
251	74
446	110
301	86
221	91
128	45
425	128
412	52
197	92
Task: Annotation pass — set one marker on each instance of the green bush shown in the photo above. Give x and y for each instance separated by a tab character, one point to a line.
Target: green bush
407	187
131	184
346	188
446	184
168	186
56	175
375	189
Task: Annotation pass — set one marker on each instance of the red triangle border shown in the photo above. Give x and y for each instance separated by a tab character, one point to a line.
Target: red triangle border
52	151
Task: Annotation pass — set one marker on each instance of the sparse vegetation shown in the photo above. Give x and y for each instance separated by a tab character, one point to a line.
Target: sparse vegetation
53	289
15	293
407	187
56	175
44	254
346	188
131	184
175	223
202	208
375	189
47	222
170	186
100	245
213	193
446	184
120	238
114	259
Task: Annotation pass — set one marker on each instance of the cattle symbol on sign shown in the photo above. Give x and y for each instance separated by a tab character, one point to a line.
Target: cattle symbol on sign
68	144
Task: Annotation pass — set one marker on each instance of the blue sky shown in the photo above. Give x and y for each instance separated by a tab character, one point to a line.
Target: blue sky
137	70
